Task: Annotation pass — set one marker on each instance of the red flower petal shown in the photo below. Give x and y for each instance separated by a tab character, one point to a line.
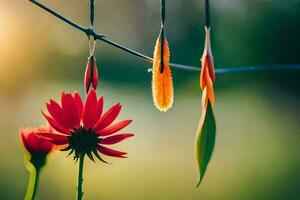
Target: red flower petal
100	106
61	147
70	110
78	103
115	138
90	115
87	75
108	117
114	128
58	139
24	139
95	76
33	143
55	124
111	152
57	113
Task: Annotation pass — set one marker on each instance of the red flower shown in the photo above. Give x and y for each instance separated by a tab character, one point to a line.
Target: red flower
83	129
33	143
91	74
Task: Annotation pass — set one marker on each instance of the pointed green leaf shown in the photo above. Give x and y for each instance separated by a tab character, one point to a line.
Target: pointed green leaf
205	141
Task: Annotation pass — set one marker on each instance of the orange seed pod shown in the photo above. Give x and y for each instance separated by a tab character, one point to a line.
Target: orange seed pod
162	83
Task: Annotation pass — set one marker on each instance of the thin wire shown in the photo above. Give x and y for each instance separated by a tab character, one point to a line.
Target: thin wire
248	69
162	32
93	48
90	46
92	13
207	13
90	32
92	19
163	11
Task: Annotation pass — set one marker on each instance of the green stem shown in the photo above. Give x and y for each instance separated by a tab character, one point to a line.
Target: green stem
80	180
32	184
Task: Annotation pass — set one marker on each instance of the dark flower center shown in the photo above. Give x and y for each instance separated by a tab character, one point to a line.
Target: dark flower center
83	142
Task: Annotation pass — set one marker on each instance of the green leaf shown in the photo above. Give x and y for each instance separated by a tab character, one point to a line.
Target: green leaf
205	141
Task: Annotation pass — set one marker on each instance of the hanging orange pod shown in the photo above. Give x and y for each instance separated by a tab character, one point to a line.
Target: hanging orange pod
91	74
162	83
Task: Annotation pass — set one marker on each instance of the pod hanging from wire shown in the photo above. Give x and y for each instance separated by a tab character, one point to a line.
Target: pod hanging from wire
206	131
91	71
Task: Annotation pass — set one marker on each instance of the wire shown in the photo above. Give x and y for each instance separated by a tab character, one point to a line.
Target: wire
219	70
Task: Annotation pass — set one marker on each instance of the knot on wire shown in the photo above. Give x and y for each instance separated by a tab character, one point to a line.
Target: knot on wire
91	33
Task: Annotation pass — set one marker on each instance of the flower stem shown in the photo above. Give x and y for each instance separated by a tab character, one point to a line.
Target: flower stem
32	184
80	180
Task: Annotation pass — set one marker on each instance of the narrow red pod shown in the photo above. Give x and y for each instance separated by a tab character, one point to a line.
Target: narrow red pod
91	74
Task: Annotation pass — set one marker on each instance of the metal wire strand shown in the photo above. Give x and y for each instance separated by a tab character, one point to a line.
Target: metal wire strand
219	70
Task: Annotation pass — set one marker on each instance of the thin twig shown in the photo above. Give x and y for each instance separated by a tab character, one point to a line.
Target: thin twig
91	32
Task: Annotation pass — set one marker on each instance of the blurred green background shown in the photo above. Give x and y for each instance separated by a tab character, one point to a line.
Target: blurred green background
258	138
